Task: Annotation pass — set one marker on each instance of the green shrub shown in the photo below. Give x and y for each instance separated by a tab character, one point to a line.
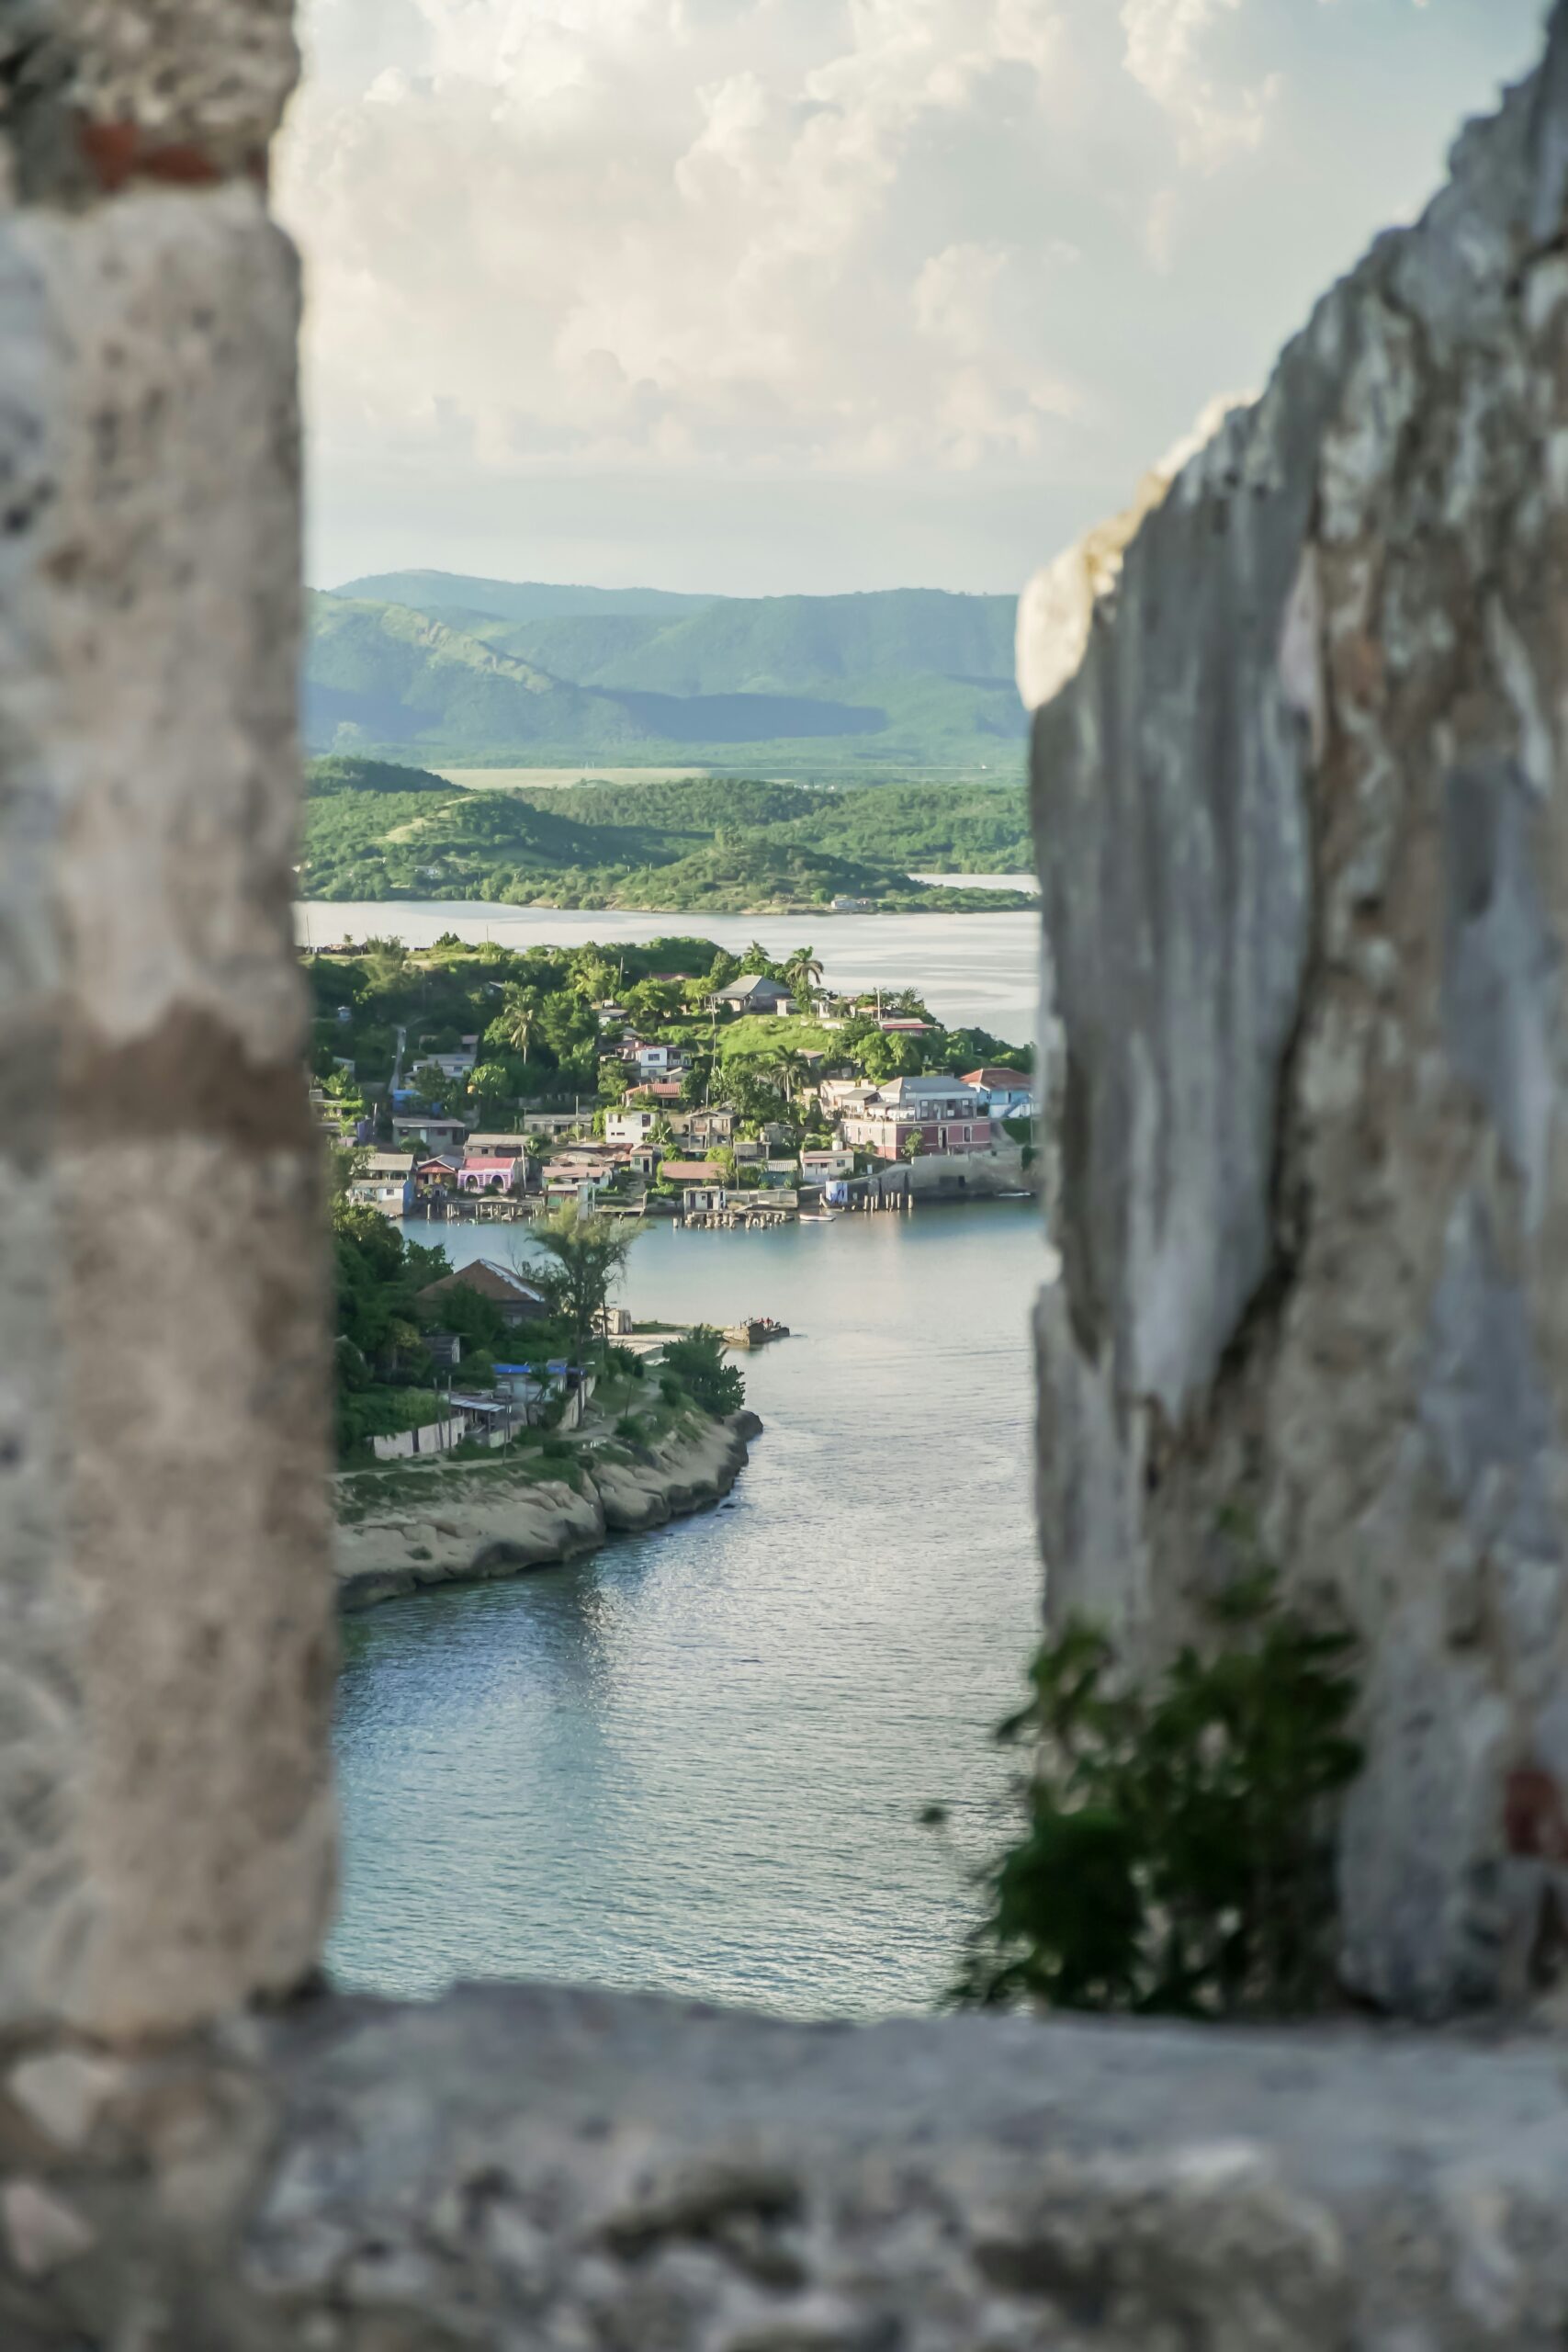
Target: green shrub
630	1428
696	1366
558	1448
1177	1852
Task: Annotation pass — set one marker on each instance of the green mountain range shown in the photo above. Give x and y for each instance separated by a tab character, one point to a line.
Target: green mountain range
479	673
374	829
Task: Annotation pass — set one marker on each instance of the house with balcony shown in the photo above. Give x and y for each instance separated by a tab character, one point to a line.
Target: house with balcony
951	1118
654	1060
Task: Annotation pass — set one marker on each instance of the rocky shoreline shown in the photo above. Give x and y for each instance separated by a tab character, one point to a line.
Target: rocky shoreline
468	1523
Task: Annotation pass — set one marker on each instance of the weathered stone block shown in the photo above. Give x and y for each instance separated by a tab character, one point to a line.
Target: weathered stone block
1304	832
166	1641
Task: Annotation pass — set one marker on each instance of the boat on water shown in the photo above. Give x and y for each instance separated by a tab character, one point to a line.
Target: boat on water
756	1331
816	1217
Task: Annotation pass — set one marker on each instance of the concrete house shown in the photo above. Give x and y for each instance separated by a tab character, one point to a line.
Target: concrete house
437	1132
752	992
949	1116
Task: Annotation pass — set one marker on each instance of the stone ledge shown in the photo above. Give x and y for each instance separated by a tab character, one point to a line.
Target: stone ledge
528	2166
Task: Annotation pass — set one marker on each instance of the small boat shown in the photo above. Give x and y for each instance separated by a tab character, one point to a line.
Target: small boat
816	1217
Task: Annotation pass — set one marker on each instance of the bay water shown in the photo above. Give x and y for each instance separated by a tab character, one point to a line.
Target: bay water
696	1763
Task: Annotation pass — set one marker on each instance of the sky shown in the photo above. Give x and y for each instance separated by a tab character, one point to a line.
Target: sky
752	297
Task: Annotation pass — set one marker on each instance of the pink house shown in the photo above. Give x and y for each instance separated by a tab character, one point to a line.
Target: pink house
490	1172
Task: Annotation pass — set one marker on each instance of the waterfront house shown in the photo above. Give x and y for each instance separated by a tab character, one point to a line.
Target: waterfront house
752	992
439	1173
819	1167
689	1171
519	1301
701	1183
385	1180
950	1118
1009	1094
489	1171
781	1172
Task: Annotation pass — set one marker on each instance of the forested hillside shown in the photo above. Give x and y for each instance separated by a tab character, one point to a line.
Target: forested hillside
494	672
377	829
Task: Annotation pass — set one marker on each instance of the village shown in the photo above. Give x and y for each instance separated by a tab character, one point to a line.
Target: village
832	1110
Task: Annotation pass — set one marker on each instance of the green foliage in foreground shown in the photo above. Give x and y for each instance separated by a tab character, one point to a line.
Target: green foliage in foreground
697	1364
1175	1857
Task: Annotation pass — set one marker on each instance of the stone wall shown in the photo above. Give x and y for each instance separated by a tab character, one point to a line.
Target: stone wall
1304	838
164	1605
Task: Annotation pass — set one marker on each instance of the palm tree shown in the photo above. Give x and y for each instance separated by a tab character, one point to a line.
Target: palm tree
791	1065
803	971
756	959
519	1010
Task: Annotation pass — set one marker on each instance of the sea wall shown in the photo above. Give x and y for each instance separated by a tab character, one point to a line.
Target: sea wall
1303	838
414	1527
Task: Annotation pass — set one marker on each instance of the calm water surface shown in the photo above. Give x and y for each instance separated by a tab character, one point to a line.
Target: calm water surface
975	971
693	1764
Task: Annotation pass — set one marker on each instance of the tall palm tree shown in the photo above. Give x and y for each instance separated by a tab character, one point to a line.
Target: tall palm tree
803	971
791	1066
519	1011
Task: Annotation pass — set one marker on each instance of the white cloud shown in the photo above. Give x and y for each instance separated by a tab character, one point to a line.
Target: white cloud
781	240
1168	56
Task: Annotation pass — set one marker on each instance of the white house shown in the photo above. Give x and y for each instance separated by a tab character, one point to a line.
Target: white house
819	1167
628	1126
1009	1094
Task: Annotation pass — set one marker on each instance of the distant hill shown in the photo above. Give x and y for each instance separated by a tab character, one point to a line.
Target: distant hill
491	672
510	600
377	830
